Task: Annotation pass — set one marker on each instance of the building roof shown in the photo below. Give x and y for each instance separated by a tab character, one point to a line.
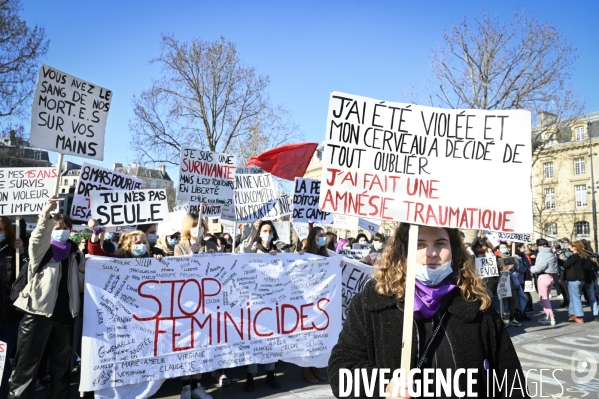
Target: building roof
143	172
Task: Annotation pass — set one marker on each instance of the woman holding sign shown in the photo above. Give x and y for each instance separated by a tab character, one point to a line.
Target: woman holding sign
192	237
134	245
455	327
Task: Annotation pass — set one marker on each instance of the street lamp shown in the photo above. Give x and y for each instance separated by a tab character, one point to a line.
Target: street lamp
593	187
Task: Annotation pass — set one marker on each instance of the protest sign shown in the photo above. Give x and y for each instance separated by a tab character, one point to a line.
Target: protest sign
174	223
284	231
498	236
117	208
302	230
24	191
396	161
305	202
354	277
256	198
69	115
355	254
345	221
208	210
361	246
370	225
120	229
504	288
206	177
94	177
486	266
148	319
3	352
227	213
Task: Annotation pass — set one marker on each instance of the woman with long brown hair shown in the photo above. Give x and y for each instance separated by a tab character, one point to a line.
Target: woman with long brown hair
574	266
448	294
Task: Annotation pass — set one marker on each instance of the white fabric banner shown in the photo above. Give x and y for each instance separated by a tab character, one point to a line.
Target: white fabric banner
24	191
149	320
406	162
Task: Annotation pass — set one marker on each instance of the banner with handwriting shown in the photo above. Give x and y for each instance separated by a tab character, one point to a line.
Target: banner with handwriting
24	191
206	177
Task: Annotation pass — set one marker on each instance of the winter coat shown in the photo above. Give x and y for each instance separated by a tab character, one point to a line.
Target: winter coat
574	268
546	262
372	338
40	293
184	247
163	247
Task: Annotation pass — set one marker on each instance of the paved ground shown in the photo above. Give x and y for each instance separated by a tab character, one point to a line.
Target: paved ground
538	346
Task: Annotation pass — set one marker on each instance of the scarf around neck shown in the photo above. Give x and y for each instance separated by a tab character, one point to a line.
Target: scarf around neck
60	250
427	300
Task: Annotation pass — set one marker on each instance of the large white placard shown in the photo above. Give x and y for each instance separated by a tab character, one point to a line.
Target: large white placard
117	208
498	236
3	352
486	266
69	115
24	191
345	221
355	254
94	177
305	202
206	177
406	162
257	198
148	319
302	230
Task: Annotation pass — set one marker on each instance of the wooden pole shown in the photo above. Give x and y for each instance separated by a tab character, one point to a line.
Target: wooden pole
18	262
408	310
58	168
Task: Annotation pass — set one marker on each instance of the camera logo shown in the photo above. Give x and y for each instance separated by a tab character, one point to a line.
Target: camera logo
584	367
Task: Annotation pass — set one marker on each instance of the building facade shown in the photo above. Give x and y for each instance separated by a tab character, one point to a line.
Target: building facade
151	178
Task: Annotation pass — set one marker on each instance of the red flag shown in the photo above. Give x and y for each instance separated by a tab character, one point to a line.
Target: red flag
287	162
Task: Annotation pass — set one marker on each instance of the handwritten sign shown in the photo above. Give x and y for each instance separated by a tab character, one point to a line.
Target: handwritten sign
284	231
354	277
69	115
208	210
24	191
3	352
94	177
120	229
305	202
256	198
302	230
394	161
345	221
356	254
117	208
504	288
148	319
498	236
486	266
206	177
370	225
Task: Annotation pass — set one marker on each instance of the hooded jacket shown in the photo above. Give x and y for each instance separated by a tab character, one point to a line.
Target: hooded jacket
470	339
546	262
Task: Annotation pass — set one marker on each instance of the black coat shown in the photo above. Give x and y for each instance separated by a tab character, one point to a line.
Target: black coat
574	268
372	336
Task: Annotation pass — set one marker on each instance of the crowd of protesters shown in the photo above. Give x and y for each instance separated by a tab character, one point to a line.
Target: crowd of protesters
43	325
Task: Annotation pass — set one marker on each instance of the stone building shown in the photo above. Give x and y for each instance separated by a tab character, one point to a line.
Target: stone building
151	178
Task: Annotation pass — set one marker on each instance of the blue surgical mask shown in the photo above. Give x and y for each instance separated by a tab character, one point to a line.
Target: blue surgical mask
139	250
109	236
152	238
505	251
2	237
172	242
321	241
430	277
61	235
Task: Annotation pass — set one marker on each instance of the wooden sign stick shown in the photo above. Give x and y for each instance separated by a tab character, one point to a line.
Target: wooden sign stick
58	168
408	309
18	261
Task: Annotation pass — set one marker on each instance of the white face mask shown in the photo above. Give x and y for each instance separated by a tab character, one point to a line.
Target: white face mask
378	245
197	232
266	237
431	277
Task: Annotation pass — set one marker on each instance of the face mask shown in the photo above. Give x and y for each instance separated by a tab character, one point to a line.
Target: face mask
2	237
109	236
378	245
152	238
139	250
430	277
197	232
266	237
505	251
172	242
321	241
362	242
61	235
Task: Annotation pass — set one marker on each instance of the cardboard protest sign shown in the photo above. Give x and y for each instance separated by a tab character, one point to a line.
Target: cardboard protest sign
24	191
354	277
504	288
302	230
284	231
486	266
69	115
94	177
256	198
355	254
305	202
498	236
148	319
206	177
117	208
394	161
370	225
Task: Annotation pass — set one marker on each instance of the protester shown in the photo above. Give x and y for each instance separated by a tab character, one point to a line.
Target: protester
151	231
342	244
362	239
134	244
545	267
528	276
166	244
50	301
192	237
575	277
110	244
512	302
331	241
449	293
378	241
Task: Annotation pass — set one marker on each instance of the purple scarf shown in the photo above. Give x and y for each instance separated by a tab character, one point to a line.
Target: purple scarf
427	300
60	250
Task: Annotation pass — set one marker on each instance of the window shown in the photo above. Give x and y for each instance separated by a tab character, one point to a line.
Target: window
579	131
582	228
579	168
551	229
550	198
548	170
387	233
158	184
581	195
347	234
63	190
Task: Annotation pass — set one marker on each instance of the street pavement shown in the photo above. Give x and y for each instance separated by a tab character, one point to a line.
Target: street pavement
550	348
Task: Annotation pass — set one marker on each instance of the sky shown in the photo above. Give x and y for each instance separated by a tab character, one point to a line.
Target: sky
308	48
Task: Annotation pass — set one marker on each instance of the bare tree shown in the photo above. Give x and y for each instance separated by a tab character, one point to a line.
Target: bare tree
524	64
206	99
21	49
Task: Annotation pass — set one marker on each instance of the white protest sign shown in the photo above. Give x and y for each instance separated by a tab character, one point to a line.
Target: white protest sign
498	236
396	161
305	202
486	266
354	277
116	208
24	191
148	319
345	221
69	115
256	198
250	170
227	213
94	177
302	230
355	254
504	288
174	224
208	210
206	177
3	352
120	229
370	225
284	231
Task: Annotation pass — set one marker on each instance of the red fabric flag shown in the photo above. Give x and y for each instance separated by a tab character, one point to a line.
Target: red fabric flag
287	162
